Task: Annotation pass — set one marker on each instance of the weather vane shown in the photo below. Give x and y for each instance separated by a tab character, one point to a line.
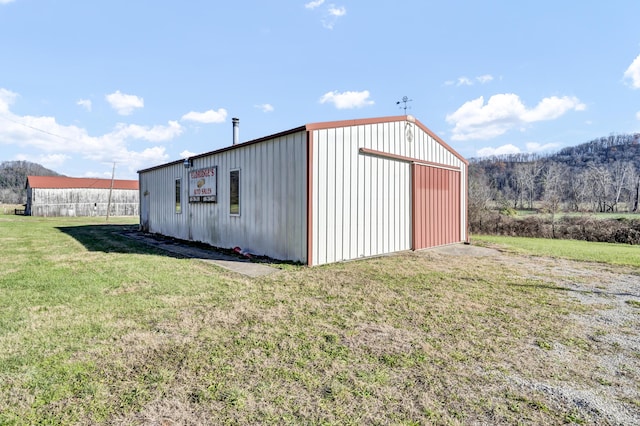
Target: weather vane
405	100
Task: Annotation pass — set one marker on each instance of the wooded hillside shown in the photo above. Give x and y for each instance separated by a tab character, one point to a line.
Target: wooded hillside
13	177
602	175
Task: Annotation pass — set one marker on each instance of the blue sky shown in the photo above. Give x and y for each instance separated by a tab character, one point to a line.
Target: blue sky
84	84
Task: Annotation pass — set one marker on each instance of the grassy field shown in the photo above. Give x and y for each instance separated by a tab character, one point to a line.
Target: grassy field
533	212
10	208
98	329
615	254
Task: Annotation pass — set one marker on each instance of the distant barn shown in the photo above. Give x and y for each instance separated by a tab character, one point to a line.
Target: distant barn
68	196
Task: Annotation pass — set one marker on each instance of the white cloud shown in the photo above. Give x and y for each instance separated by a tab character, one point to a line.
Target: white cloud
482	79
532	147
50	161
6	1
501	150
7	98
58	143
153	134
337	11
347	100
536	147
210	116
633	73
124	104
466	81
187	154
314	4
265	107
100	175
477	120
330	14
41	132
134	160
552	108
85	103
638	115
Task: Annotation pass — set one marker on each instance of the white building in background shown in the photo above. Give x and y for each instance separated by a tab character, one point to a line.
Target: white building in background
69	196
319	193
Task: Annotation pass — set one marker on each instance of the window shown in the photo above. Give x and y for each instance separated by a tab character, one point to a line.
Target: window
178	201
234	192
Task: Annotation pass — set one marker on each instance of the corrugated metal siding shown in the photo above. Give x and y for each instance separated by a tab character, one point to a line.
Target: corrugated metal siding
272	220
81	202
157	199
362	204
436	207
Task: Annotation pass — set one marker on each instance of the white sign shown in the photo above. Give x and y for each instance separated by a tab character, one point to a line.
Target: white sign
203	185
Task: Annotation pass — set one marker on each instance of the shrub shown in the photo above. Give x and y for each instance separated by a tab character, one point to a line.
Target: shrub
508	211
586	227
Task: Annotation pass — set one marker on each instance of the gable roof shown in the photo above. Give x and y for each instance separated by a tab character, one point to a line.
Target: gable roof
62	182
410	118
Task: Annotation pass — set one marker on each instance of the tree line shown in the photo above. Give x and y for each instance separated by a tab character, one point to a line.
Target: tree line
13	179
602	175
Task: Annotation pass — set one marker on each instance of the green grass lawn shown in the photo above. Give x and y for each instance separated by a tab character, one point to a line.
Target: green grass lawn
614	254
98	329
537	211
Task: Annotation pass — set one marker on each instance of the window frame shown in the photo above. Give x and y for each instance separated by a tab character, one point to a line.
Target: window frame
178	195
231	192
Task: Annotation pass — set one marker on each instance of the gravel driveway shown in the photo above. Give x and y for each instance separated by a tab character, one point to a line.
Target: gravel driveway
608	329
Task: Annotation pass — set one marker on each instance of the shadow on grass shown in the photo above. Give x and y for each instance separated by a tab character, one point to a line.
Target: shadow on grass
128	239
112	239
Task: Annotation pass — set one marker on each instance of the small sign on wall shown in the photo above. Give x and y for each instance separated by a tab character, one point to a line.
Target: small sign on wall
203	185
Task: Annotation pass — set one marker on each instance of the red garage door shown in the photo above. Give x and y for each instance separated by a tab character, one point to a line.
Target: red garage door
436	206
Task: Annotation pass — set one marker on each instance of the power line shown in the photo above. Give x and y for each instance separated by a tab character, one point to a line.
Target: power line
37	129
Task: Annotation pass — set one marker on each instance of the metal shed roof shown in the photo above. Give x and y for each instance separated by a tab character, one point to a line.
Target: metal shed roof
316	126
62	182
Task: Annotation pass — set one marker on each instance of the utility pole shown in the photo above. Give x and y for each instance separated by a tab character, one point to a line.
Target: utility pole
113	173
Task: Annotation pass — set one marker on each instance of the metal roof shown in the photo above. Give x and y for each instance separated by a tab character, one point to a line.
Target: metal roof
316	126
63	182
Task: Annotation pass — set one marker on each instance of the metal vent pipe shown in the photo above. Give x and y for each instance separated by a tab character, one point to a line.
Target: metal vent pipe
236	129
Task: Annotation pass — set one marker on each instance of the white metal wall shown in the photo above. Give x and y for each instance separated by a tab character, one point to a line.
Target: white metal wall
361	203
82	202
273	199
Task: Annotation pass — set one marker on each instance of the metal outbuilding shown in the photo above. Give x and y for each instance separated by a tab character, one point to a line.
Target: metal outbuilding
68	196
319	193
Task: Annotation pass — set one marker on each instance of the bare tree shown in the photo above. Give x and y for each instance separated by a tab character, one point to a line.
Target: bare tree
576	189
637	196
599	180
528	174
513	191
620	173
480	195
632	188
553	188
